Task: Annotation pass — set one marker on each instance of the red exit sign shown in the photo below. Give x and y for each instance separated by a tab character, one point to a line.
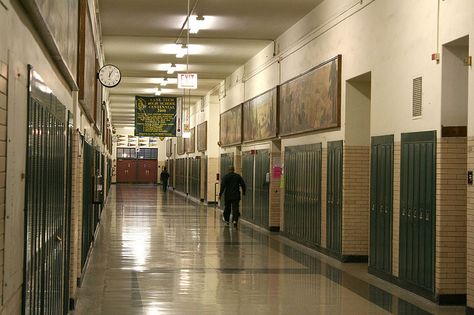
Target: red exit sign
187	80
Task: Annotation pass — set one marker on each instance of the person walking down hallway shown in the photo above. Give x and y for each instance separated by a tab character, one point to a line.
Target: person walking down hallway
164	176
230	188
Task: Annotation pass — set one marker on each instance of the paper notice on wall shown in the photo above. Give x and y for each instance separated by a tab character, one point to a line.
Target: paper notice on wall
276	172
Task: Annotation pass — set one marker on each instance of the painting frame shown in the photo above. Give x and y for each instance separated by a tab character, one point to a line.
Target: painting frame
297	114
57	24
190	143
201	132
260	117
231	119
169	147
87	63
180	148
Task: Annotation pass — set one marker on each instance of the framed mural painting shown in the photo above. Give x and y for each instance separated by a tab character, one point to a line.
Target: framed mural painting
202	137
57	23
169	147
231	126
87	75
180	149
311	101
260	117
190	143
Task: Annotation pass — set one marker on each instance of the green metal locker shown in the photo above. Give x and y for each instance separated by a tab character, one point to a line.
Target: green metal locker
227	160
248	160
302	206
418	209
195	177
334	197
381	192
47	203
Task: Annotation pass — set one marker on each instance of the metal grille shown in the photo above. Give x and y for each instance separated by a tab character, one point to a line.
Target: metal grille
302	207
417	96
87	205
47	203
195	182
247	174
181	175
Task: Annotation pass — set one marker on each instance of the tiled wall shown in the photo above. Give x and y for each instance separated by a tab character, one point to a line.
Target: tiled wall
470	228
3	163
451	216
355	199
212	170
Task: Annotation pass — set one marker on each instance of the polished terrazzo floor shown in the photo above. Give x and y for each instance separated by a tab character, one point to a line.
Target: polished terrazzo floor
159	253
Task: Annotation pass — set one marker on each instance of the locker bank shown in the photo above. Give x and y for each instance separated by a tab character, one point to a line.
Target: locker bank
350	122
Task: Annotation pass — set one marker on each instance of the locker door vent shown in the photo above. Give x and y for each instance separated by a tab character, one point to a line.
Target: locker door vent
417	96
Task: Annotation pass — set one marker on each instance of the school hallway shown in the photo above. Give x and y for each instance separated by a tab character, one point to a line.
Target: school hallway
160	253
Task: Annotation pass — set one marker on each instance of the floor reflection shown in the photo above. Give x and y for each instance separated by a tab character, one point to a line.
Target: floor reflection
158	253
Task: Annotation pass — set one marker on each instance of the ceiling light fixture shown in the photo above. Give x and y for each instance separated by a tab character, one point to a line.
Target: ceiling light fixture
164	82
182	50
157	91
196	23
172	68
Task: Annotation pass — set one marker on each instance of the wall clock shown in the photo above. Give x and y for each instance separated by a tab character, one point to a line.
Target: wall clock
109	76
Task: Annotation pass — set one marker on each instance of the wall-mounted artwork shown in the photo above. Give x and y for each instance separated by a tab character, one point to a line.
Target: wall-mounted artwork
202	137
87	75
312	101
169	147
57	23
260	117
180	145
231	126
190	143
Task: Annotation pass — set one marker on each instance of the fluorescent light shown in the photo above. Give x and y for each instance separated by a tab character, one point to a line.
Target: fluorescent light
172	69
157	91
196	22
182	51
164	82
186	134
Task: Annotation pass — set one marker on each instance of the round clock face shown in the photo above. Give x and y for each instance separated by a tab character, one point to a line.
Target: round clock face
109	76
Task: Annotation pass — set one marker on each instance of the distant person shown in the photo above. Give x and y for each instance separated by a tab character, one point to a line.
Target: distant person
230	188
164	176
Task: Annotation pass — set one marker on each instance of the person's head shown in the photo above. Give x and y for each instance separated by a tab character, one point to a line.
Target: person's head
231	169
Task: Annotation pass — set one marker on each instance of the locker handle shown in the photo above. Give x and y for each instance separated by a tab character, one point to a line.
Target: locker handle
409	213
421	214
403	211
373	207
414	214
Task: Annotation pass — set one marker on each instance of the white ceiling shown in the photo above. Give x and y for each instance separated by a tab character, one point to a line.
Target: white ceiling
139	36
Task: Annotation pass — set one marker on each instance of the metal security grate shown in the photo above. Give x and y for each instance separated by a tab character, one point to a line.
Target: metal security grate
417	96
47	213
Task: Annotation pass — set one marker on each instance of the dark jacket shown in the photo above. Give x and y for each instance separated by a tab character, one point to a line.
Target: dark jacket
164	176
230	185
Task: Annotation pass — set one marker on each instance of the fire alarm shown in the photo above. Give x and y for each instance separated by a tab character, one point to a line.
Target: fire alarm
435	57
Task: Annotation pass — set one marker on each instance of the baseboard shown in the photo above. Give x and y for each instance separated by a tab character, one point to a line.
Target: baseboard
354	258
469	310
274	229
212	202
452	299
72	304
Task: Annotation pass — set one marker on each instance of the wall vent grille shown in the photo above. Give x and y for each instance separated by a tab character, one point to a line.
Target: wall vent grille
417	96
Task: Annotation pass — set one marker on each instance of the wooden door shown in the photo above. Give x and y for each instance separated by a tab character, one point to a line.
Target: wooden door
146	171
126	171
